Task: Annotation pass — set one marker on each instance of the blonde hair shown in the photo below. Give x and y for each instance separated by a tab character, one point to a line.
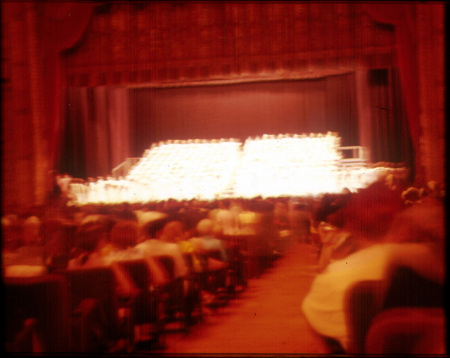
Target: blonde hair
205	227
173	231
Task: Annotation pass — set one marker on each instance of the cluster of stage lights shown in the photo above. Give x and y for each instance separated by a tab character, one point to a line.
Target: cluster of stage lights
267	166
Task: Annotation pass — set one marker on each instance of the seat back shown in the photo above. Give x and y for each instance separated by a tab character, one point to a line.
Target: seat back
58	237
362	303
95	283
138	271
409	289
407	330
44	298
144	303
215	254
168	264
174	286
403	287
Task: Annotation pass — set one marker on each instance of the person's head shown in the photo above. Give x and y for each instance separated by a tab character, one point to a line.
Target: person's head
11	231
124	234
88	236
280	209
52	233
173	232
224	204
420	222
433	189
31	230
205	227
369	213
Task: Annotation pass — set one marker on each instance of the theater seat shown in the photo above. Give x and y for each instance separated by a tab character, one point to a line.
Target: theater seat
94	302
407	330
176	306
37	304
238	261
403	289
144	303
216	277
363	302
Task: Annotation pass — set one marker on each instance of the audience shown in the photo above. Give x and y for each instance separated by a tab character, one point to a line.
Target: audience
361	236
379	233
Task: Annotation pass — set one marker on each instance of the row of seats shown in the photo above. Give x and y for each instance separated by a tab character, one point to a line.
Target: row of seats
93	310
404	315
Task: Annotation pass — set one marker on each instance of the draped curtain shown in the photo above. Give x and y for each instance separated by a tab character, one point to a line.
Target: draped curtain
97	137
390	139
63	25
106	125
402	17
244	110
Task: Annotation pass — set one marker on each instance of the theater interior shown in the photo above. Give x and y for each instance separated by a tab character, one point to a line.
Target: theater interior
292	134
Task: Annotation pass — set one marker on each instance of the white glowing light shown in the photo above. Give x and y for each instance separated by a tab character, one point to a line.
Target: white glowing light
267	166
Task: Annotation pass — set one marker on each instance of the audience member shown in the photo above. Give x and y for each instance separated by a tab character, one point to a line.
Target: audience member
207	242
124	238
153	245
58	235
249	221
28	259
374	246
86	251
226	219
299	222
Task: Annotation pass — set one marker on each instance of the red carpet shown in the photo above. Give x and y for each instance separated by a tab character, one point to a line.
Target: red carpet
266	318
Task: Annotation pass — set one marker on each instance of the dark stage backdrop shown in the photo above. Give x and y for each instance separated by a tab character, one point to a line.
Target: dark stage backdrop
244	110
106	125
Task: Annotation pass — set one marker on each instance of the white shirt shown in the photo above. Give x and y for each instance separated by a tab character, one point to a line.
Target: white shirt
324	304
154	247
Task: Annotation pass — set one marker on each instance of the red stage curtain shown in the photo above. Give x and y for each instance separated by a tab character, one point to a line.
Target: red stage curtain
63	24
401	16
106	125
390	139
97	136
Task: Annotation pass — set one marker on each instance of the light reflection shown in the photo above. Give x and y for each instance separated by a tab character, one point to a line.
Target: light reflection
267	166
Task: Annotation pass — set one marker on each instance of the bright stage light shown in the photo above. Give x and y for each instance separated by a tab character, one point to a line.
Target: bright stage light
267	166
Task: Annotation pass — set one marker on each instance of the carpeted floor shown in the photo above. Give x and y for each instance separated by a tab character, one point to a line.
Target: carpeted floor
265	318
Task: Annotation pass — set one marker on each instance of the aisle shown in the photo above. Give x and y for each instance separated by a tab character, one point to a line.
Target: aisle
266	318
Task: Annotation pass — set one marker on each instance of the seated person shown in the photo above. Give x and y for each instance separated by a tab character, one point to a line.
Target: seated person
415	240
124	237
174	232
28	259
86	251
152	245
207	242
57	233
226	218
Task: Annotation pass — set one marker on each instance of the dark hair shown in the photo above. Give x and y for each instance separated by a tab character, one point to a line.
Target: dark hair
370	212
153	227
124	234
88	236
